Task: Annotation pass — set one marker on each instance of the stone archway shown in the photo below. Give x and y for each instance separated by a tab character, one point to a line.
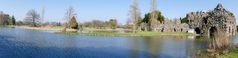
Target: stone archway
213	31
197	30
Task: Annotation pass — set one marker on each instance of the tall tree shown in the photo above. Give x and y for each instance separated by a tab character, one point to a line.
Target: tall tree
147	19
70	12
113	23
32	17
4	18
185	19
73	23
12	20
43	14
1	18
135	14
153	20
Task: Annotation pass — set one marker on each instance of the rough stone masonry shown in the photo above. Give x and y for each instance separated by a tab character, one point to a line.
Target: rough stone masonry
217	21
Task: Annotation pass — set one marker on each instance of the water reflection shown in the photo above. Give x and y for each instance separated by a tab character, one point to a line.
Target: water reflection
22	43
218	44
167	47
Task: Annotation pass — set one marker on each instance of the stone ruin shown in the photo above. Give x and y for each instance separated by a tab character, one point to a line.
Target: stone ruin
172	26
217	21
212	22
168	26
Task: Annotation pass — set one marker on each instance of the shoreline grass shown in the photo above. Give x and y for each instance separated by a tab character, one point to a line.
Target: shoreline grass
47	28
71	32
232	54
127	34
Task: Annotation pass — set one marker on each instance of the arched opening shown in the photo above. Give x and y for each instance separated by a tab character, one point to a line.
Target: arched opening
142	29
205	21
213	31
229	30
198	31
162	30
175	30
181	30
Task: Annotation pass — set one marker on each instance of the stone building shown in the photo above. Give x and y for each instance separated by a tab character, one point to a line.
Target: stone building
213	22
172	26
167	26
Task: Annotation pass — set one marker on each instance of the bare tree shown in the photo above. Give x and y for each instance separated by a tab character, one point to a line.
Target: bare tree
32	17
135	14
153	20
43	14
4	18
70	12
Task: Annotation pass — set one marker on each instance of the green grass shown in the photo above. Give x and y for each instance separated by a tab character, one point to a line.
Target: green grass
232	54
126	34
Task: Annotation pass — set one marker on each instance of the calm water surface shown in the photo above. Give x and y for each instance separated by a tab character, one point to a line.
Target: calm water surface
24	43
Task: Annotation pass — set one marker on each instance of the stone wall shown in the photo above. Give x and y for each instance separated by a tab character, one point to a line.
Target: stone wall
172	26
207	23
212	22
168	26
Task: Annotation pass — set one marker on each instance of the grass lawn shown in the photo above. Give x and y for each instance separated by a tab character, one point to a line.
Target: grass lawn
126	34
232	54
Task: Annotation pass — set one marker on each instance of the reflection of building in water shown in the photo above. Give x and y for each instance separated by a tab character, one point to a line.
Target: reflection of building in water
147	45
166	47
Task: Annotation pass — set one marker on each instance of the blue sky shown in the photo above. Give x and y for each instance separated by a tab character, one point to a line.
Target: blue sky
106	9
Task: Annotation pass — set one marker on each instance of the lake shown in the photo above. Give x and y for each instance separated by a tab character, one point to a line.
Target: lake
25	43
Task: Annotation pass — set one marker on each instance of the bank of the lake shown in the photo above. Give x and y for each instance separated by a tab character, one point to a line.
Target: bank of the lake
108	33
127	34
47	28
232	54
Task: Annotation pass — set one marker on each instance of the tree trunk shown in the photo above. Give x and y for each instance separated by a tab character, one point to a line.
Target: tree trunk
64	30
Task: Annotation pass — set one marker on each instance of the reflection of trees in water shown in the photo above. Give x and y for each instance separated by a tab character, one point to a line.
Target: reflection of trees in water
219	43
152	43
134	46
70	41
151	46
145	45
201	47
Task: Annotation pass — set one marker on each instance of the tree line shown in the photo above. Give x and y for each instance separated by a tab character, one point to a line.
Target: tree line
150	19
6	19
135	21
99	24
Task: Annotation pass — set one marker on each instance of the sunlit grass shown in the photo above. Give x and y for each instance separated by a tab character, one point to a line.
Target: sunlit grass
232	54
126	34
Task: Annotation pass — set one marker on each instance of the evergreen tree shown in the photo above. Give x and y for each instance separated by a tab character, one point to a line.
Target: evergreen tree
70	13
159	17
113	23
73	23
184	20
12	20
